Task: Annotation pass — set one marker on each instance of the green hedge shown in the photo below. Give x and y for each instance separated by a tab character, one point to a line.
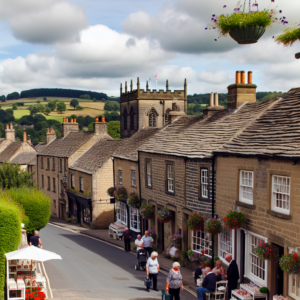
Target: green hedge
10	233
37	207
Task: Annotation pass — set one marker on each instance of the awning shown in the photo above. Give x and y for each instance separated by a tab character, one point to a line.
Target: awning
87	201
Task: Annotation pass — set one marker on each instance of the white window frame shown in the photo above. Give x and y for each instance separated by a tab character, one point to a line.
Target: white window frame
201	241
149	173
122	212
120	177
246	186
248	256
204	182
134	212
170	178
293	277
133	178
72	181
223	239
81	184
284	191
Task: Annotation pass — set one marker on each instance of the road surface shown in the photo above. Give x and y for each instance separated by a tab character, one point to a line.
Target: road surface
93	269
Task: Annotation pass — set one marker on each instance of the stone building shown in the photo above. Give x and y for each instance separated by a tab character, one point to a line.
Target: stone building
54	159
141	108
258	170
126	174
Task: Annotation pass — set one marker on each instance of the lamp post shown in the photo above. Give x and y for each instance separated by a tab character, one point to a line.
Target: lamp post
64	180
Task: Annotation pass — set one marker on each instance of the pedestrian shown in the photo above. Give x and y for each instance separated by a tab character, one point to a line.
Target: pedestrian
174	281
218	270
208	284
139	243
127	236
35	240
198	271
148	240
152	268
232	274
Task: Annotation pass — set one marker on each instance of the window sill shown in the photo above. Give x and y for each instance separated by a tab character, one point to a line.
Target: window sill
279	215
133	186
149	187
246	205
135	230
205	200
170	193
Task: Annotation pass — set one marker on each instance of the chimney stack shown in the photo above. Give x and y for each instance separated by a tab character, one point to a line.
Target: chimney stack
67	126
214	106
50	135
24	137
241	92
100	127
10	133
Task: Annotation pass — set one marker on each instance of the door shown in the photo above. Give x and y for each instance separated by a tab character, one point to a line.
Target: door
79	213
62	210
279	273
160	237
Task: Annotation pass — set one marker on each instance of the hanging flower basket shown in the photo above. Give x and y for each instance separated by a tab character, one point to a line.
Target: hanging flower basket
195	222
193	256
234	219
164	215
146	211
111	191
244	27
176	241
266	251
213	226
133	200
121	193
290	263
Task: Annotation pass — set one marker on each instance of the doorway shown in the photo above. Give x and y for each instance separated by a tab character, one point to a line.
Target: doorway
279	273
160	237
62	211
79	213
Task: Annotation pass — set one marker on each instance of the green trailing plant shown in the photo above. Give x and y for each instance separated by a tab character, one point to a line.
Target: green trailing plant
146	211
111	191
78	192
121	193
289	36
264	290
266	251
175	258
11	216
234	219
12	176
213	226
195	222
133	200
290	263
36	205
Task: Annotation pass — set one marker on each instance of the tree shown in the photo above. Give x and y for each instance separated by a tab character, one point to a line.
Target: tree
74	103
33	111
113	128
45	99
85	96
40	107
80	120
108	106
51	105
79	107
12	96
116	106
38	101
61	106
19	134
197	108
2	98
20	103
47	111
15	106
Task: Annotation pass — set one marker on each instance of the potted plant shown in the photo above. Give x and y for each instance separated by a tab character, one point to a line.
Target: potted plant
195	222
34	293
266	251
234	219
290	263
111	191
213	226
176	241
121	193
244	27
146	211
133	200
164	215
193	256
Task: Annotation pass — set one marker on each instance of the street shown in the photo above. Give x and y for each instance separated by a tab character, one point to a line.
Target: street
93	269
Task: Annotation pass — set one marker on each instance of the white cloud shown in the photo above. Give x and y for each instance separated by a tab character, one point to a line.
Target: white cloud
213	76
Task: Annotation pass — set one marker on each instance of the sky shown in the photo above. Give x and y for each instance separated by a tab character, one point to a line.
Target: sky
96	45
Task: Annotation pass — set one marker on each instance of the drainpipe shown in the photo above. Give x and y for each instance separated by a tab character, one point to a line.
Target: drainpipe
113	161
140	188
213	211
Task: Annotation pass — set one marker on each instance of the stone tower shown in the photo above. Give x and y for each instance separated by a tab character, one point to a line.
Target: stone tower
141	108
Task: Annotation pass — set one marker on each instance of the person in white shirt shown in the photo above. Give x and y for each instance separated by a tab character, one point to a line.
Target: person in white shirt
139	243
148	240
152	269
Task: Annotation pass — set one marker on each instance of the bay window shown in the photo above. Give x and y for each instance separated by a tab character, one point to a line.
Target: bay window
134	219
281	194
122	213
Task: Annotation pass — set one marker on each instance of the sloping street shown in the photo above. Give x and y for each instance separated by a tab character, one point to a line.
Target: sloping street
93	269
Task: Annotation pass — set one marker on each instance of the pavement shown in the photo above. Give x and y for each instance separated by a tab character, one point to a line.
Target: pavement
93	268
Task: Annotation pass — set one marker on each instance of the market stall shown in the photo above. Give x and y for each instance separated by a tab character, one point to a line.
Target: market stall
116	229
248	292
21	270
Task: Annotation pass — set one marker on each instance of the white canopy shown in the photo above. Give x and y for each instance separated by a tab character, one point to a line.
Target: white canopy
33	253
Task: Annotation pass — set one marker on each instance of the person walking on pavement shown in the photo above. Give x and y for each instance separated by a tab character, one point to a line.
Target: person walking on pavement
232	274
152	269
139	243
127	237
35	240
174	282
148	240
198	271
208	284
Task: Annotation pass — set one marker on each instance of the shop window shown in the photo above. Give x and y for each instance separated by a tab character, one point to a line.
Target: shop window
72	181
122	212
281	194
134	219
226	243
201	242
204	182
54	186
42	163
246	187
170	180
48	184
48	163
148	173
125	119
42	181
152	118
120	177
87	217
53	164
131	119
133	178
81	184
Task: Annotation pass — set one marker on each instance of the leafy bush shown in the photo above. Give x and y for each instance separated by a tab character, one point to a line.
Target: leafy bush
10	233
289	36
234	219
36	204
12	176
195	222
264	290
133	200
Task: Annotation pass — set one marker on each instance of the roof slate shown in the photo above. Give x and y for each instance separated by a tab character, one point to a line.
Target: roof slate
24	158
9	151
275	133
198	137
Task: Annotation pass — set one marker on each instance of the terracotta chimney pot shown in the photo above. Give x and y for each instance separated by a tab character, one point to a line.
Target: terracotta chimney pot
72	120
103	119
238	77
11	126
7	126
24	137
250	77
96	119
243	77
